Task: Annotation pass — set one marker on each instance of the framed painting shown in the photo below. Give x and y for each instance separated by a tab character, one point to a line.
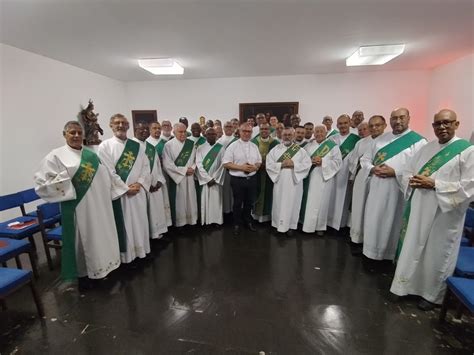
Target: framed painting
143	116
278	109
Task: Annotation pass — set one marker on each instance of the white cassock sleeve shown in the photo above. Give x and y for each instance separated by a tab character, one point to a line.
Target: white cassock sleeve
368	157
453	194
173	171
354	160
53	183
331	163
107	160
302	164
273	167
219	173
144	178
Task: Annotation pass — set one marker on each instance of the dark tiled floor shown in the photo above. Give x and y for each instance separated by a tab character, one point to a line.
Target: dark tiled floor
212	293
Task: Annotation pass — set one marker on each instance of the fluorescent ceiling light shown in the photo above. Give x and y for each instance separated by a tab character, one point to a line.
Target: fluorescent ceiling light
161	66
375	55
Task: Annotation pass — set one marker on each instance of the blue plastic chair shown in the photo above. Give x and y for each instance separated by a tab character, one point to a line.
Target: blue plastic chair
468	234
11	201
13	279
465	263
28	196
11	248
463	290
51	235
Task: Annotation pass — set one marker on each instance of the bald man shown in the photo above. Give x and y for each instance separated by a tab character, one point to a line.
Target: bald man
338	210
386	159
373	129
439	184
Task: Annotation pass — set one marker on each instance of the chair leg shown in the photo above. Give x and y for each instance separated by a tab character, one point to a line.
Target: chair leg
39	305
18	262
47	252
444	307
32	242
34	267
459	310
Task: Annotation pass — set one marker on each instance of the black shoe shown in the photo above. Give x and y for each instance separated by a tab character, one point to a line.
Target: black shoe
84	284
251	227
425	305
236	230
290	233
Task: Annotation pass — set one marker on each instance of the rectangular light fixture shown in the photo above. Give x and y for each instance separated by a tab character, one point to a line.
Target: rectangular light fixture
375	55
165	66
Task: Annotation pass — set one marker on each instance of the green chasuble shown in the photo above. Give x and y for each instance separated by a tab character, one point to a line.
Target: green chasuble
263	204
81	181
432	166
122	168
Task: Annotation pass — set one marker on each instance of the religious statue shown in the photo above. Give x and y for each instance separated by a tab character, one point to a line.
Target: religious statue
91	126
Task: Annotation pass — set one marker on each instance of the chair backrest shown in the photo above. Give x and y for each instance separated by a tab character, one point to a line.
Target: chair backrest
48	210
29	195
10	201
469	222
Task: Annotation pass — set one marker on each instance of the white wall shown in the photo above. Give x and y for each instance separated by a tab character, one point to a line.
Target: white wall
38	96
452	86
318	95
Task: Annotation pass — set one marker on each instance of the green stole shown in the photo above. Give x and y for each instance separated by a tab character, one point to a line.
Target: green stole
150	152
398	145
264	201
333	132
200	141
432	166
235	139
122	168
323	149
211	156
160	146
289	153
349	144
303	144
180	161
81	181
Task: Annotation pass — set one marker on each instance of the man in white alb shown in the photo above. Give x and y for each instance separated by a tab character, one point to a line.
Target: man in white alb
388	155
287	165
179	163
439	185
130	168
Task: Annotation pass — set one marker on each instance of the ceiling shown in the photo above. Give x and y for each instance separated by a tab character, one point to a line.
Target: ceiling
224	38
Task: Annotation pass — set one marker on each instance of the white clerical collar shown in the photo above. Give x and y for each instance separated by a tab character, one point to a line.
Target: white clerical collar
403	133
120	140
448	142
73	150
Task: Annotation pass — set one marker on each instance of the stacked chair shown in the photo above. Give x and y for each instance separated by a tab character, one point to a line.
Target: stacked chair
461	285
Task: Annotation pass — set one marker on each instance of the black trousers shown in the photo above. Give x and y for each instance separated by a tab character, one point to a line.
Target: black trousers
244	191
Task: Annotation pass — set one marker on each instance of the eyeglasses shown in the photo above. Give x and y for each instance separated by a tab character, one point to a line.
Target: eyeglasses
446	123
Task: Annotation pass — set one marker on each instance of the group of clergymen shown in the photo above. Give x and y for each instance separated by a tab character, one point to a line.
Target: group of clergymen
403	198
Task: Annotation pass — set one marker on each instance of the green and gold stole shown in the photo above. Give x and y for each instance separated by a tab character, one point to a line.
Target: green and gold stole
323	149
81	181
200	141
150	152
211	156
432	166
122	168
333	132
398	145
180	161
160	146
289	153
349	144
